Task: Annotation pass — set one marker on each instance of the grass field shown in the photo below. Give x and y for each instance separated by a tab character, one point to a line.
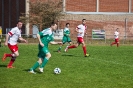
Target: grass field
107	67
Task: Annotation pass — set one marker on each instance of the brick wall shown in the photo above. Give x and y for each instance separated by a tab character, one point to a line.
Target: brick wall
81	5
104	5
107	22
113	5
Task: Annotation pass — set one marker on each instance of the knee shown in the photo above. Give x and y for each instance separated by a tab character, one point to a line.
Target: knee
16	54
48	55
76	45
83	44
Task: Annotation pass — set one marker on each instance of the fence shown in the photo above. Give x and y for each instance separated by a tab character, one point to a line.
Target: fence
87	38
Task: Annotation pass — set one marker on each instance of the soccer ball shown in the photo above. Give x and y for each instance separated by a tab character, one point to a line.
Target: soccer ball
57	70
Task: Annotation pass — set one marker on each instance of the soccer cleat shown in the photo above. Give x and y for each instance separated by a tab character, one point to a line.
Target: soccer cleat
4	57
41	70
10	67
32	72
66	49
87	55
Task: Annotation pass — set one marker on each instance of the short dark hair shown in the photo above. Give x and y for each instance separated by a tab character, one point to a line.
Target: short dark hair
53	23
67	24
19	21
83	19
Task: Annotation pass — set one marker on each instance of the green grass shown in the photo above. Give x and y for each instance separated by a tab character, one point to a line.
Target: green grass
107	67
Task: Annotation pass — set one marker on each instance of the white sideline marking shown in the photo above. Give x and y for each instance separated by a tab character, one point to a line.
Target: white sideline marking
113	62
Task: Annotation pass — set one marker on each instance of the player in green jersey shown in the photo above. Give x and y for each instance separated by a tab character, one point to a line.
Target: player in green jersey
45	37
66	37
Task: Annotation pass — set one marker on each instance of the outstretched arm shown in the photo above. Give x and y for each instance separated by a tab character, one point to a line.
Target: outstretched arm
21	39
53	42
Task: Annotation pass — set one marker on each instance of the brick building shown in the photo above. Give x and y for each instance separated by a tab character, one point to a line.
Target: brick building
100	14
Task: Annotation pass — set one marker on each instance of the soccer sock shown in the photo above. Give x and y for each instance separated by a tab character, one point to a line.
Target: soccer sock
44	62
59	48
113	43
8	55
35	66
73	46
11	61
84	49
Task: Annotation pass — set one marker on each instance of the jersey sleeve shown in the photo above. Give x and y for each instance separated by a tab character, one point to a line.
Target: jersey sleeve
78	27
40	33
12	32
85	27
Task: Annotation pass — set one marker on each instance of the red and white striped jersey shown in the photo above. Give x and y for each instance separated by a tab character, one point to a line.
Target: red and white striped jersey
81	28
116	34
14	34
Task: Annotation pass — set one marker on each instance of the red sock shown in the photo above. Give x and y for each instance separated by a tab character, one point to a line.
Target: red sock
113	43
117	44
11	62
84	49
8	55
73	46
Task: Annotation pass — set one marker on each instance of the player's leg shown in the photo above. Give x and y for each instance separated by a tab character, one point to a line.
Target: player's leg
46	57
114	42
45	60
59	49
117	41
36	65
64	40
73	46
84	47
13	49
13	58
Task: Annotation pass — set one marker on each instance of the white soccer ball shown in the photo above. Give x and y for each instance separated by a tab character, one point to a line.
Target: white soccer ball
57	70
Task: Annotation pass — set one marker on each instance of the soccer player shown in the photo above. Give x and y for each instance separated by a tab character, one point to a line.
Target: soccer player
81	30
116	35
11	41
66	37
45	37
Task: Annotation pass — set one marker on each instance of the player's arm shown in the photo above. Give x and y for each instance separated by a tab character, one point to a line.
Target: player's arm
66	34
77	30
39	39
85	30
11	33
6	41
22	39
53	42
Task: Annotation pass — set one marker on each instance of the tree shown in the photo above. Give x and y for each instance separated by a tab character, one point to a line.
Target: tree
43	13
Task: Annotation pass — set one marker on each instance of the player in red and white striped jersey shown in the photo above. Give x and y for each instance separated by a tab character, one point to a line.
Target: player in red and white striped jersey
81	30
116	36
11	40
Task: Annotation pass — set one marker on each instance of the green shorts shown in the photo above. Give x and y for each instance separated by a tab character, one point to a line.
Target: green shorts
66	39
42	51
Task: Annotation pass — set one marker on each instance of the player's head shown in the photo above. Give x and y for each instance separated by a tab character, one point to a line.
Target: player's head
83	21
19	24
67	24
53	26
117	29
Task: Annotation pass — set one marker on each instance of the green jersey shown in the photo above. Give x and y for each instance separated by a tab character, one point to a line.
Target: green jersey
66	31
66	37
46	36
